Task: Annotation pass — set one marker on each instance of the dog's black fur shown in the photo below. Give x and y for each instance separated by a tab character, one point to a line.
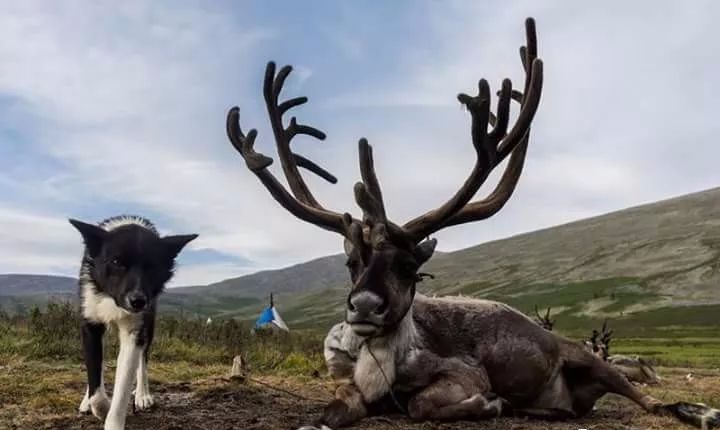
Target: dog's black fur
124	269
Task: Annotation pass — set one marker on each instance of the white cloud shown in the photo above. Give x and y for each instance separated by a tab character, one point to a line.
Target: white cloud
197	274
38	242
627	115
130	97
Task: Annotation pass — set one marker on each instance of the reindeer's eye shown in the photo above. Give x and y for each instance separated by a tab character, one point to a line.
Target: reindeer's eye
408	268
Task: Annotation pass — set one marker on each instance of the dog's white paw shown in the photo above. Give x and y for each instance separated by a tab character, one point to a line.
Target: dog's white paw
99	404
143	401
114	424
84	407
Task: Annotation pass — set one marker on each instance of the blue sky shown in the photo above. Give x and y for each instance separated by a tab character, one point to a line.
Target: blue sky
119	107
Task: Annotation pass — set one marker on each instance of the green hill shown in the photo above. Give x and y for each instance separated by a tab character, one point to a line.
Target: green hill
651	269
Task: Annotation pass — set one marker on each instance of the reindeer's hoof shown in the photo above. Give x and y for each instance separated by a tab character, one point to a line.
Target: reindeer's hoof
654	406
143	402
322	427
697	414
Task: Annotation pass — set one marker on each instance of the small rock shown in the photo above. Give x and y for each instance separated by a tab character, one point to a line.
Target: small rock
238	368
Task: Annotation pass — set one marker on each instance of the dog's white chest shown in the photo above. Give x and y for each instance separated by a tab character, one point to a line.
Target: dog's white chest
101	308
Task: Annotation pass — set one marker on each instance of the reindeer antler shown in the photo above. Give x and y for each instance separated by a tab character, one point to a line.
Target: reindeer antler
491	147
537	314
544	321
606	336
301	203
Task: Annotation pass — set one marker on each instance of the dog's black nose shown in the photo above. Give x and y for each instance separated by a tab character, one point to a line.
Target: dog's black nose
137	302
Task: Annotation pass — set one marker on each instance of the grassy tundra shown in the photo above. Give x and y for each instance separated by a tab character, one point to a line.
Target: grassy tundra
41	377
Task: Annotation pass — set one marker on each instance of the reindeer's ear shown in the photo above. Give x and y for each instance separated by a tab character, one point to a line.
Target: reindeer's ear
175	244
92	235
425	250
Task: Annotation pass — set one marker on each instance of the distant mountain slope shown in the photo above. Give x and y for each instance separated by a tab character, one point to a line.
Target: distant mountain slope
640	265
27	285
324	272
673	245
640	260
19	291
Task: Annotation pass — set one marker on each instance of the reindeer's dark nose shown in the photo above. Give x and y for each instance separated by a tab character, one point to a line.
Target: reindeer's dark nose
366	303
137	302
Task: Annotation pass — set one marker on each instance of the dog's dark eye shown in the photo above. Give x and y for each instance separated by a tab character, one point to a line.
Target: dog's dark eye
116	263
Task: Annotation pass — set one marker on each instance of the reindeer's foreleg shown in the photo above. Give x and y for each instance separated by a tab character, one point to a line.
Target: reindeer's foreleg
603	379
462	394
347	407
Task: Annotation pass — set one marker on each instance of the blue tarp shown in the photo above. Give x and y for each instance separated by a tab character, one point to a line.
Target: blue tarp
271	316
266	317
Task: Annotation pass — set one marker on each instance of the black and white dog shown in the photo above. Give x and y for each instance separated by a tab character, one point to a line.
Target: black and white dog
125	267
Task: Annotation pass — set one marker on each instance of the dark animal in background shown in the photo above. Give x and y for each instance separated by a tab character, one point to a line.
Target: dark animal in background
544	320
124	269
454	357
599	342
634	368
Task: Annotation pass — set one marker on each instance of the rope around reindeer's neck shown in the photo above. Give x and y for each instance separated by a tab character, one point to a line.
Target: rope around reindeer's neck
387	380
282	390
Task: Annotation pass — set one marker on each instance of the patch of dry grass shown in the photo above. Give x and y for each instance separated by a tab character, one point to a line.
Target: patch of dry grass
37	395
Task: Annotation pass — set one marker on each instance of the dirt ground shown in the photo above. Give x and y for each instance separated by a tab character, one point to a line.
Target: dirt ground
219	404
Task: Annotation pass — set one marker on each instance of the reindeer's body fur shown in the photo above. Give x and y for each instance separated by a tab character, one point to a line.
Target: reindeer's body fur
478	348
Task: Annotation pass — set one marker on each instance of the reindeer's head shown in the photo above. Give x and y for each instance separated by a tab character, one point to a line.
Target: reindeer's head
384	258
599	342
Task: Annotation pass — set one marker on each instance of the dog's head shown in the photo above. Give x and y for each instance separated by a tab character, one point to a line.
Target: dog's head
130	263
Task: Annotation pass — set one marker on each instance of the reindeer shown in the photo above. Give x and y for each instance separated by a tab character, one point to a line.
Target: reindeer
544	320
456	358
634	368
599	342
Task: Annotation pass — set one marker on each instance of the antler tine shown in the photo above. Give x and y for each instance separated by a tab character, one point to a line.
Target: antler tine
311	166
273	85
532	90
499	143
370	183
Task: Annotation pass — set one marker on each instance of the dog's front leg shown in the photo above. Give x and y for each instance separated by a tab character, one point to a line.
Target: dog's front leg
95	400
143	399
127	364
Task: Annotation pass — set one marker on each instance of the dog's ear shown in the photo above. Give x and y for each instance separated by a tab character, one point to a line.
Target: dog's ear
175	244
93	236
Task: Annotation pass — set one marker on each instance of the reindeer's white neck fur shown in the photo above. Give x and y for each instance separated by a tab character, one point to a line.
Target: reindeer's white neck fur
374	376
